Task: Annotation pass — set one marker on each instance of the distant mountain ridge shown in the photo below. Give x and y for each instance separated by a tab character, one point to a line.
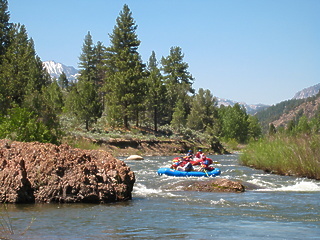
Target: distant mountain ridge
55	69
307	92
304	103
251	108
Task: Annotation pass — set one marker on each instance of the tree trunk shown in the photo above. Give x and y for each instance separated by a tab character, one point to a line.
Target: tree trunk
87	125
125	121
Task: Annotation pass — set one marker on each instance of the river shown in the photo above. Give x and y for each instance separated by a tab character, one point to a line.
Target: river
282	207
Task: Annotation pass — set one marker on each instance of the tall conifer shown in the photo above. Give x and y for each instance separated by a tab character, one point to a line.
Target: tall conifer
156	90
203	111
4	27
177	78
87	60
83	101
125	83
63	81
100	61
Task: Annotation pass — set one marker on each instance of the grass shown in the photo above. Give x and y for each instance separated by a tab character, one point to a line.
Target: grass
6	227
285	155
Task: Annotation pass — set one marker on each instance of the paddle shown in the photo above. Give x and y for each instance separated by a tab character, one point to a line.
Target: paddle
206	172
204	169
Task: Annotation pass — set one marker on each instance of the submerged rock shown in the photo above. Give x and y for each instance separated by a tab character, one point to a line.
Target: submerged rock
42	172
214	185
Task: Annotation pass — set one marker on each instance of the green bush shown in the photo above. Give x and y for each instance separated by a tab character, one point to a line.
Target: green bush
22	125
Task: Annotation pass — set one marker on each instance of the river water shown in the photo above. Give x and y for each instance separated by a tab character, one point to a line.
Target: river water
282	207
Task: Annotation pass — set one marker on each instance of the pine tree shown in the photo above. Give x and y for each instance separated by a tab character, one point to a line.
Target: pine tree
125	82
203	111
87	64
5	34
178	117
22	70
63	81
22	80
83	103
53	97
100	58
177	79
5	27
155	99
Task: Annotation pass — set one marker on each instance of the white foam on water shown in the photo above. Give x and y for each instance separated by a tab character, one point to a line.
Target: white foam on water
142	190
262	183
303	186
221	201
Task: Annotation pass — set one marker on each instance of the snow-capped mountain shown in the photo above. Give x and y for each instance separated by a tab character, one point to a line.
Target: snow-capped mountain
251	108
55	69
307	92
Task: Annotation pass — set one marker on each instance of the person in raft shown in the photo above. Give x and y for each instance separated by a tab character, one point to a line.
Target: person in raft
182	164
189	154
205	164
198	155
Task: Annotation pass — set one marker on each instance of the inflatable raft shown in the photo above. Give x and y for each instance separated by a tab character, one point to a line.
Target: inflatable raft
172	172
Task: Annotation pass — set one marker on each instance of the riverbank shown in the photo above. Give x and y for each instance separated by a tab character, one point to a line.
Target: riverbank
120	147
285	155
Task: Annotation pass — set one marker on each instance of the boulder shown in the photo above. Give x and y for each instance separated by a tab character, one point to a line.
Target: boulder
215	185
135	157
43	173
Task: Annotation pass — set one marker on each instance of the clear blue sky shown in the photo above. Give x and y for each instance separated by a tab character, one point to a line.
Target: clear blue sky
253	51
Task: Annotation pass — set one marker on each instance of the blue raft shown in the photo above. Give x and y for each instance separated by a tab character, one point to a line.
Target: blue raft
172	172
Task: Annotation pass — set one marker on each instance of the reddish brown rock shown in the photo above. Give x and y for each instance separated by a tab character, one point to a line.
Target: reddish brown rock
216	185
39	172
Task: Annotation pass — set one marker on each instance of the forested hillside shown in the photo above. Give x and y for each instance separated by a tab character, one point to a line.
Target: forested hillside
289	112
115	92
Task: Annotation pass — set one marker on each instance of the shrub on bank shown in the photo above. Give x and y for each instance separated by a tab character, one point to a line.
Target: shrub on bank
286	155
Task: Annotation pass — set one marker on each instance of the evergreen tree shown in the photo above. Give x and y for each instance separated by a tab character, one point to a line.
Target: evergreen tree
63	81
203	111
83	103
125	81
87	64
177	79
4	27
53	97
100	58
22	80
156	90
178	117
22	70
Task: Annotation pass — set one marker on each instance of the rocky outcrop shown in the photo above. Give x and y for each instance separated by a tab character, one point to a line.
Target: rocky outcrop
37	172
215	185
